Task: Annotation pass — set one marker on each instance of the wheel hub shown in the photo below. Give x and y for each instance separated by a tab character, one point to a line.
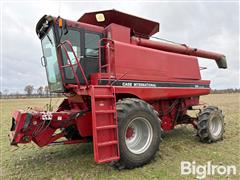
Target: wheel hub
130	133
138	135
215	126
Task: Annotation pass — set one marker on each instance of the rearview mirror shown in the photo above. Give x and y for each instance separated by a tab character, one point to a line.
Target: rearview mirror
43	61
47	52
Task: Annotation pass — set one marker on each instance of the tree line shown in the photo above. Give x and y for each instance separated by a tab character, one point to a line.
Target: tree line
224	91
30	91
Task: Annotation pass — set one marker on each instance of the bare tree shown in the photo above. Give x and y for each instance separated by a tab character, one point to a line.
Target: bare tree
17	94
46	89
29	89
5	92
40	91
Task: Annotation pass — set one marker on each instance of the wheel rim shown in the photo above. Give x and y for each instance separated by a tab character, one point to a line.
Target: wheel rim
138	135
215	126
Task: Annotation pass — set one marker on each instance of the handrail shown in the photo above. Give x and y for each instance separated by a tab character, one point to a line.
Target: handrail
107	45
63	45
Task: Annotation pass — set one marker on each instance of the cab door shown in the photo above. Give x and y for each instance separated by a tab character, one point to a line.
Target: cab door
85	46
75	36
91	53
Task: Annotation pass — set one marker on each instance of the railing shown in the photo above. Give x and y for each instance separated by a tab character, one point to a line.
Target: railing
107	45
70	64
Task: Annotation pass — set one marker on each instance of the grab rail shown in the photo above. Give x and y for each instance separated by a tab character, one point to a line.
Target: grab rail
108	45
63	45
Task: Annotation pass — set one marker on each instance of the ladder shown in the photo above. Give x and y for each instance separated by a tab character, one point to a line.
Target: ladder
104	124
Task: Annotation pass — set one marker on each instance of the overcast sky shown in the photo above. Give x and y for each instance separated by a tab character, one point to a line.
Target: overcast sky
207	25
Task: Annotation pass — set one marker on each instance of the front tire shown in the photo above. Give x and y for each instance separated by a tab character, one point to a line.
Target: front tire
139	129
210	125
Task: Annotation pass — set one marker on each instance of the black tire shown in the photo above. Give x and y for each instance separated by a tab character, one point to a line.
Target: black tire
210	125
131	110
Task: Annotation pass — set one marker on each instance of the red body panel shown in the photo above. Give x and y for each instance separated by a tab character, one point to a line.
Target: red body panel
140	63
118	33
148	94
84	124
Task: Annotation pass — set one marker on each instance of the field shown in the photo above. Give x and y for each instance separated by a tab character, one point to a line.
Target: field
76	161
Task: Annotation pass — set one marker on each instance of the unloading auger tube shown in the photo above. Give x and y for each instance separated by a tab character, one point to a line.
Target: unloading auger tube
182	49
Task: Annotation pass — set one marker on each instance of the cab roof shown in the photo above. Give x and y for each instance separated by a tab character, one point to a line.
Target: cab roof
139	26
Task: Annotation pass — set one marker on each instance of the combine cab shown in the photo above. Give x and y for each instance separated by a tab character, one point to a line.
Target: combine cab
122	89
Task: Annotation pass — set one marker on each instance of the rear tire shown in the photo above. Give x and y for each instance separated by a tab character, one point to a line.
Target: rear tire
139	130
210	125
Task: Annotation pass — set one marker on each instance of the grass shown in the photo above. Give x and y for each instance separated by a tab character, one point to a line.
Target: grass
76	161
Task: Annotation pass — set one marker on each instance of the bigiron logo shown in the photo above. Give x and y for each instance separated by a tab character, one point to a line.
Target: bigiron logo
208	169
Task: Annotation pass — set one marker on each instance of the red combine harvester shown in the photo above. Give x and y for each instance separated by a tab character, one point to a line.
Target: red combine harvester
122	89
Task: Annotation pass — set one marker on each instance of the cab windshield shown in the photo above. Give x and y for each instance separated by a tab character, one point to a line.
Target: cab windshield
52	68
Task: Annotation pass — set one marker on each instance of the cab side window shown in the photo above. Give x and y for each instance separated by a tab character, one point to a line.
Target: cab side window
91	44
74	37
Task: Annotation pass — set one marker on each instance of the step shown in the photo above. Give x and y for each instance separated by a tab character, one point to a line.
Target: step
104	105
107	143
104	96
105	111
108	159
106	127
